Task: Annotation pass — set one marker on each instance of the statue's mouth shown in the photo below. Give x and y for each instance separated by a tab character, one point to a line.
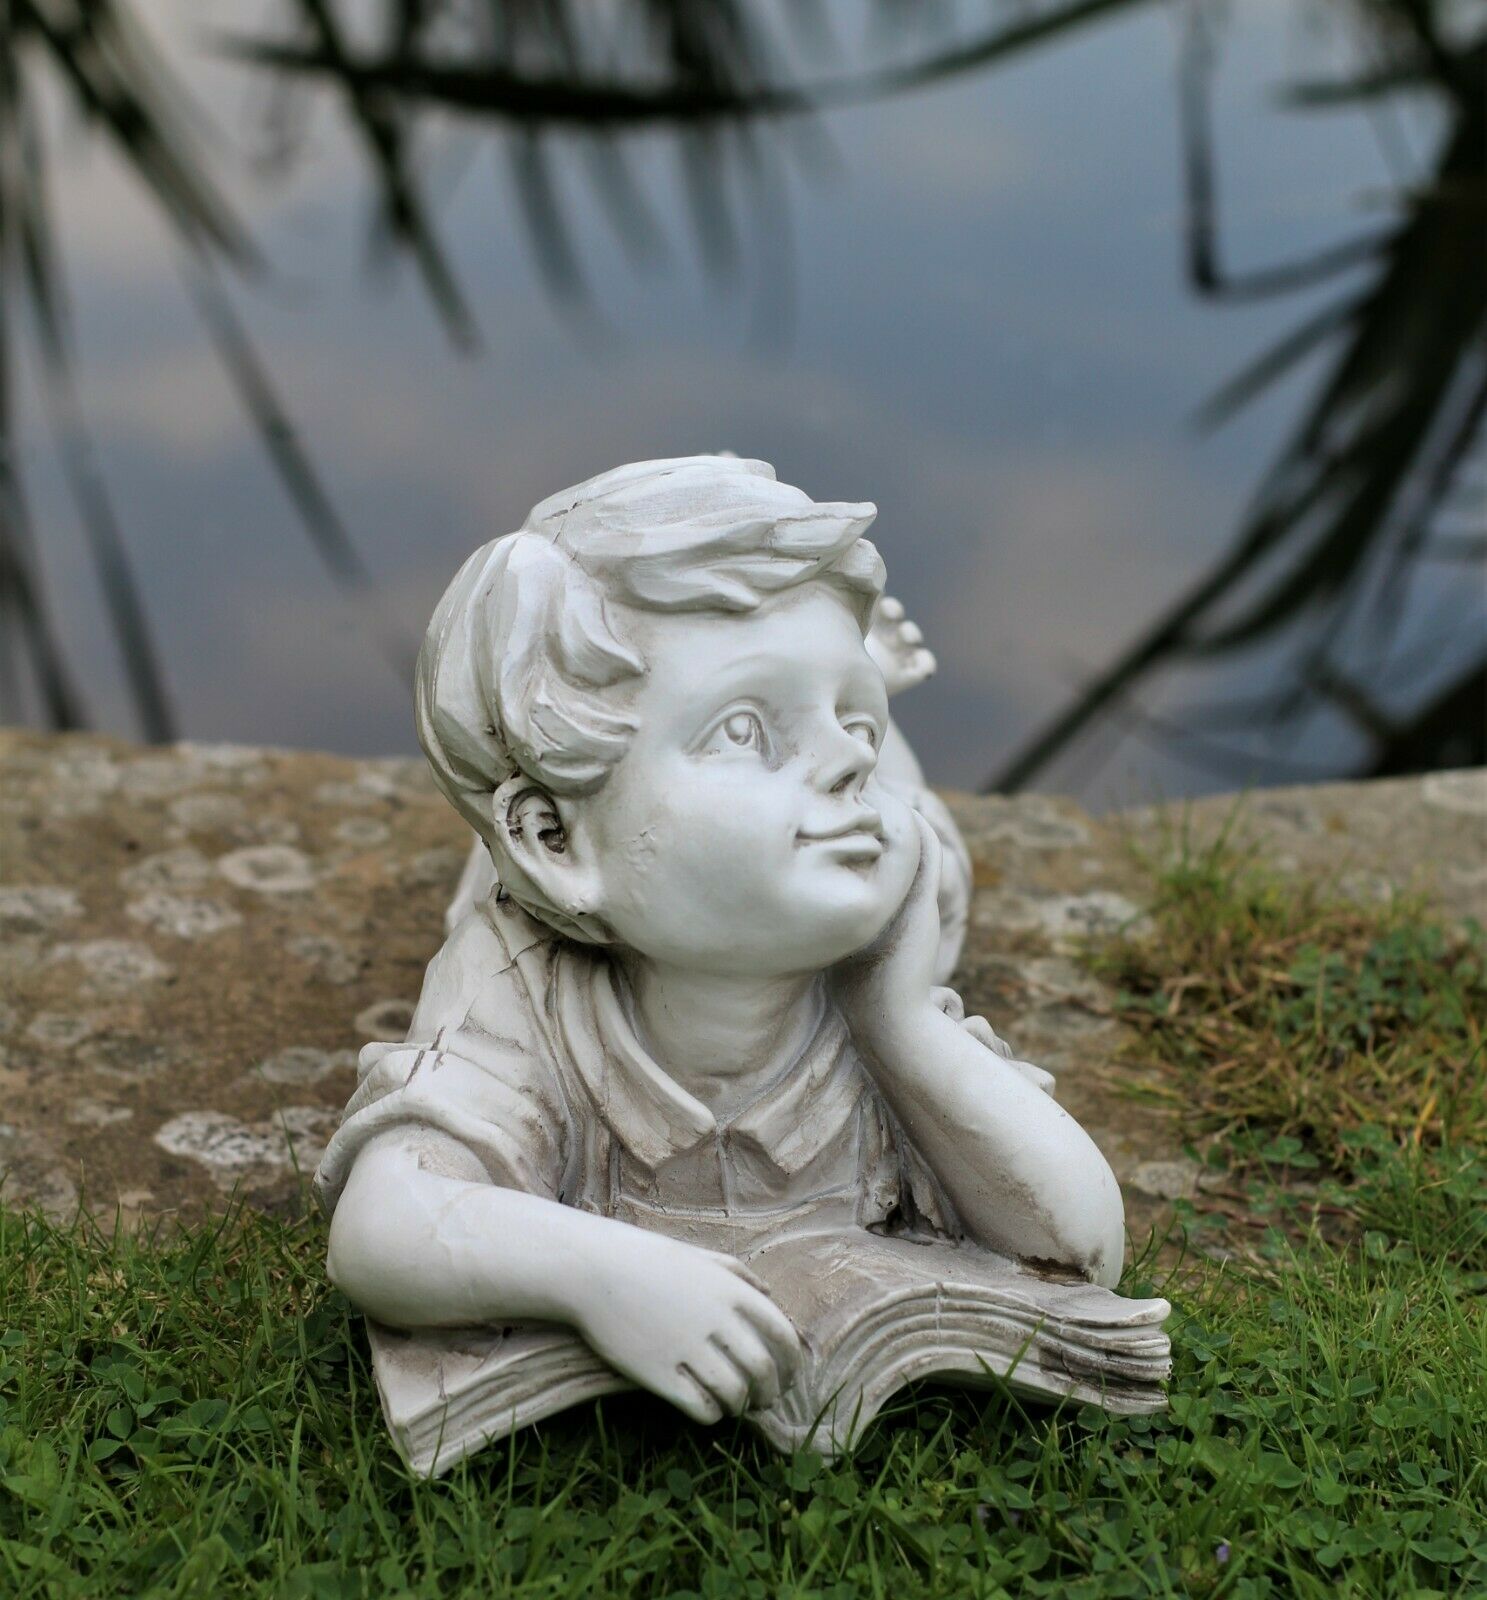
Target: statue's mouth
859	837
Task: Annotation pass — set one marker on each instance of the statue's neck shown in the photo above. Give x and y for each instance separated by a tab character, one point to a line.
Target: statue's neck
720	1036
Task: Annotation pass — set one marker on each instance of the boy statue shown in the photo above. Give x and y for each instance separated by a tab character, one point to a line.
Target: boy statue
697	1015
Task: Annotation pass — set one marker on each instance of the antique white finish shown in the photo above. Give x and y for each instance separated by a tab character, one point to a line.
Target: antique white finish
897	647
682	1088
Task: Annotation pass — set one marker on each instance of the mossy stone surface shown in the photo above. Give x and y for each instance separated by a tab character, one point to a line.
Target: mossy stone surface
195	941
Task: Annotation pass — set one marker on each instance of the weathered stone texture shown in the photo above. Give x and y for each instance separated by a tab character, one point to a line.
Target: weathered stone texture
194	942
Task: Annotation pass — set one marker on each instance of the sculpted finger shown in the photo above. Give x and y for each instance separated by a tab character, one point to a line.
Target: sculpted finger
983	1033
777	1331
694	1398
722	1380
749	1353
1037	1076
950	1003
741	1269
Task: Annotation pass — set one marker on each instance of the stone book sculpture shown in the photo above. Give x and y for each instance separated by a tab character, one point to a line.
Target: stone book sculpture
875	1313
684	1105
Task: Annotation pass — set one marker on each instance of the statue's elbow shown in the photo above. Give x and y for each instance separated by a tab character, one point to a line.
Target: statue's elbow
347	1254
1091	1234
1106	1265
369	1263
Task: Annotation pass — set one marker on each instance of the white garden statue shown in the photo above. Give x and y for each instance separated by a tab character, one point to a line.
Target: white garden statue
682	1105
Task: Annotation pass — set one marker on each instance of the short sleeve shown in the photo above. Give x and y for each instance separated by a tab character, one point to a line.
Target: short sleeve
473	1067
926	1206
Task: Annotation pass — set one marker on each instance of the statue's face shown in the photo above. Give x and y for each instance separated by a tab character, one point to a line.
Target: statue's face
744	830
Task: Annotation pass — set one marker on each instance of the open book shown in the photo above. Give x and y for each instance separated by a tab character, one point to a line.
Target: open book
875	1312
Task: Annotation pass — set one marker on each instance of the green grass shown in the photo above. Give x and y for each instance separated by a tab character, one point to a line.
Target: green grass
197	1418
1273	1005
193	1415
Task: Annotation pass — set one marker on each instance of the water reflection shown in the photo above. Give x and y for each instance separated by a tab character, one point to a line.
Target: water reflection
1362	497
1355	502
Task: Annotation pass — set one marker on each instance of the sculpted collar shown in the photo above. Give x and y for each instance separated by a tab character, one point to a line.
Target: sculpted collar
798	1112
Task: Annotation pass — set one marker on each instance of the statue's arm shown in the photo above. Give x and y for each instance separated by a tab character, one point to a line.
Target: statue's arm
420	1237
1023	1176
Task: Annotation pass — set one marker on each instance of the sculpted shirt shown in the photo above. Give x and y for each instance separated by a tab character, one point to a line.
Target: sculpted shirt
522	1050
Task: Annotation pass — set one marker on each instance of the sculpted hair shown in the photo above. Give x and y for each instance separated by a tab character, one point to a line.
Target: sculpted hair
515	669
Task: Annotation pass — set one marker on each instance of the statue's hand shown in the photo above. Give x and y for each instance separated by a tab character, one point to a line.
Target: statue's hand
948	1001
885	989
693	1326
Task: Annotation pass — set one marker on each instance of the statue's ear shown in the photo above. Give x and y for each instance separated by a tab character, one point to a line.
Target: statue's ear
531	822
534	833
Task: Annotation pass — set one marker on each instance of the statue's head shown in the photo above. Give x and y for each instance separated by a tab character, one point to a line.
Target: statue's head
654	704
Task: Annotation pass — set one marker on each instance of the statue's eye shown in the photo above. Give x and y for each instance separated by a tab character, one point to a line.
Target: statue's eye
865	729
744	730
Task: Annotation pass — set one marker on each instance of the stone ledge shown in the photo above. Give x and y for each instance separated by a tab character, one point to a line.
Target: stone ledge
195	941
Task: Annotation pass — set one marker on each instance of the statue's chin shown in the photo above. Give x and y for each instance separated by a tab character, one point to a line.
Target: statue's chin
844	935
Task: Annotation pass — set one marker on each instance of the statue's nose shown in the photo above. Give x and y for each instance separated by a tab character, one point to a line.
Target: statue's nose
844	763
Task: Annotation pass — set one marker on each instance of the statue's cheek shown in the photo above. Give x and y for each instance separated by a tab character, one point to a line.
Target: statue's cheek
898	820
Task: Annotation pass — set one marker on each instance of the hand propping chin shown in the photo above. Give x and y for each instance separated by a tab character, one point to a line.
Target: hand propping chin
948	1001
890	980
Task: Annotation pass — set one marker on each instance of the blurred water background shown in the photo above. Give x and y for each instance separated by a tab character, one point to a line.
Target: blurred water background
1157	332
